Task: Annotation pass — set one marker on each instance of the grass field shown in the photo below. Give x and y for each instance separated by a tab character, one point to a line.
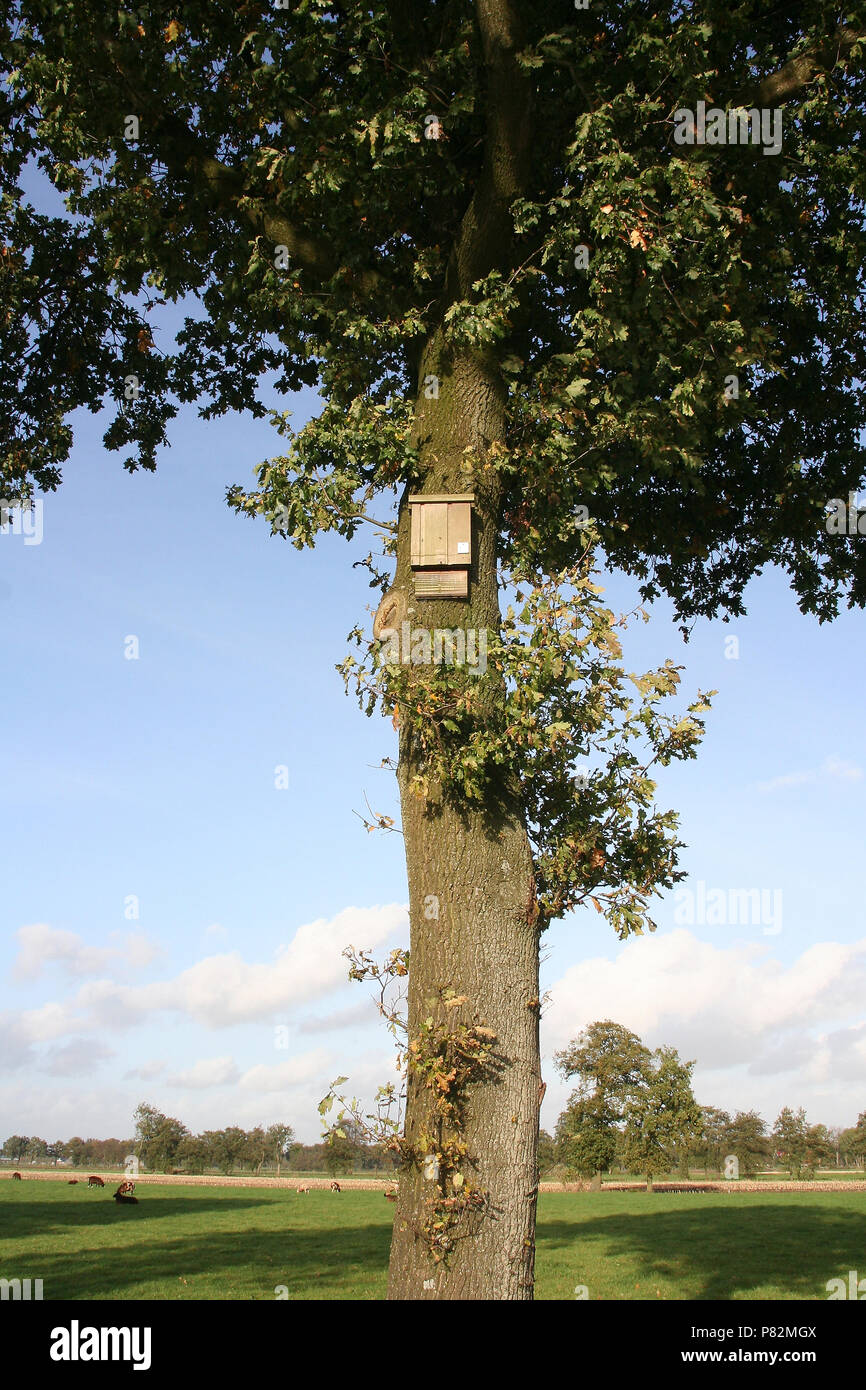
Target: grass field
231	1243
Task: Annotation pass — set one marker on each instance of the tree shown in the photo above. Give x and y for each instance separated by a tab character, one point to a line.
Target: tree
482	230
712	1140
157	1138
256	1148
586	1139
37	1150
662	1118
819	1149
15	1147
193	1153
610	1063
790	1141
547	1157
853	1141
227	1147
745	1137
280	1139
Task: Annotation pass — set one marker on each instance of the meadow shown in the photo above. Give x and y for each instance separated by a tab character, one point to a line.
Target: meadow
185	1242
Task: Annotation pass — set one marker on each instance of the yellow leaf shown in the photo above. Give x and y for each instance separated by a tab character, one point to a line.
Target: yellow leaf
173	32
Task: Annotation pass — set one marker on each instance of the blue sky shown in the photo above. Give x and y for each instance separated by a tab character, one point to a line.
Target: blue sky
154	780
225	1000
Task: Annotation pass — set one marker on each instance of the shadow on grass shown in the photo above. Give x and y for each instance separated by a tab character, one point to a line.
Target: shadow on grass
246	1264
720	1252
23	1220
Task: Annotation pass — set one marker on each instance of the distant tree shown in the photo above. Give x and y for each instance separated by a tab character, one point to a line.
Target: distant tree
819	1149
76	1151
547	1156
280	1139
834	1134
854	1141
711	1143
610	1064
57	1151
662	1117
228	1147
37	1150
193	1153
256	1149
790	1140
15	1147
344	1147
157	1137
585	1138
746	1138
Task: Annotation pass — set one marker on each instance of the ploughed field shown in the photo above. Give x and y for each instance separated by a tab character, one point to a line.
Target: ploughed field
185	1241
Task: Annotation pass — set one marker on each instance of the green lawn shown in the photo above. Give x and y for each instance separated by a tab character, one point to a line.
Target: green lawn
226	1243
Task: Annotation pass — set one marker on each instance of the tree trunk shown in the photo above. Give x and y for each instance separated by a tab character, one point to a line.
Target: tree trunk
473	917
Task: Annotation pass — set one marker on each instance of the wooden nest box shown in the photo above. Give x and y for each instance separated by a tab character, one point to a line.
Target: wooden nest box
441	543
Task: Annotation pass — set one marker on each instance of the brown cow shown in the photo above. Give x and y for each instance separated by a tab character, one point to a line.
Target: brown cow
18	1176
124	1194
335	1186
73	1182
127	1187
94	1181
390	1196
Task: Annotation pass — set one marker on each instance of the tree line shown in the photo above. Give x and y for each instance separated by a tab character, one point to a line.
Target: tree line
632	1109
635	1109
163	1144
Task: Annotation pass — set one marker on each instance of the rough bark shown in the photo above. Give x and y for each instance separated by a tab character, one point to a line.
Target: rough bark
476	864
484	942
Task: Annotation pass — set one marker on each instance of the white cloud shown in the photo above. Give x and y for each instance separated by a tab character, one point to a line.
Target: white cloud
763	1034
223	990
208	1071
294	1071
78	1057
147	1071
723	1002
832	769
41	945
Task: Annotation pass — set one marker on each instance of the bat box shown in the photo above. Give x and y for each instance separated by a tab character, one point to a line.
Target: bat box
441	543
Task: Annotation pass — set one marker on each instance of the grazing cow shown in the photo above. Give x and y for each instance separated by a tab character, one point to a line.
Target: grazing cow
18	1176
124	1194
303	1189
127	1187
73	1182
335	1186
94	1181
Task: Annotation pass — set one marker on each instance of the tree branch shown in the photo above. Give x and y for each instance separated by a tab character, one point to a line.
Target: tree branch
485	236
311	253
795	75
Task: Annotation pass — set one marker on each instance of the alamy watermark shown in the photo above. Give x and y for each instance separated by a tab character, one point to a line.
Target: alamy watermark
731	907
737	126
854	1289
421	646
21	1290
845	519
22	519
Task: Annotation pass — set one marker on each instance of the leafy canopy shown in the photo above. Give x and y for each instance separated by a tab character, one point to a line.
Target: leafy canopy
303	127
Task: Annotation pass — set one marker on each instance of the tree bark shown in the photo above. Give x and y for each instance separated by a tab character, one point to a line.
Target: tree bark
481	937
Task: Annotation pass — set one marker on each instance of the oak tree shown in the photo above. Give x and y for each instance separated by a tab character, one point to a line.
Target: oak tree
515	269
